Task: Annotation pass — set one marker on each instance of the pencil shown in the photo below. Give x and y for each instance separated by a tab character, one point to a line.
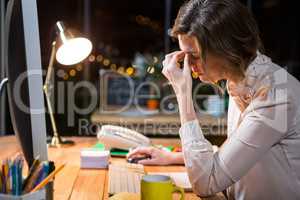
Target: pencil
33	167
47	179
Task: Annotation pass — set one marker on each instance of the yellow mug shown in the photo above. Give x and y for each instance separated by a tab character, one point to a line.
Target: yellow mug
158	187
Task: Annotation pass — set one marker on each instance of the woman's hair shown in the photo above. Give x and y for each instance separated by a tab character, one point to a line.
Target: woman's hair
224	28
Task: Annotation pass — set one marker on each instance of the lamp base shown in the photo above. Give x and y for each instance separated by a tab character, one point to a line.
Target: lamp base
57	141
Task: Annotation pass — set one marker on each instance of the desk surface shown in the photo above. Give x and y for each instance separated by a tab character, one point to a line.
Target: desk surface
84	184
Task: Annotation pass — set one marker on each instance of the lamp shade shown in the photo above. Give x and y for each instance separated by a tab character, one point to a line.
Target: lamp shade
72	49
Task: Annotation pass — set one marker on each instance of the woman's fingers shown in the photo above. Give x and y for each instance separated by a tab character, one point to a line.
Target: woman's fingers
186	65
179	56
140	150
149	162
171	62
171	54
172	59
155	156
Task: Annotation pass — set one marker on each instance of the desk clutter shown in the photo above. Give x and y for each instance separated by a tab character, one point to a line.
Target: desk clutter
12	181
97	157
126	177
180	179
91	158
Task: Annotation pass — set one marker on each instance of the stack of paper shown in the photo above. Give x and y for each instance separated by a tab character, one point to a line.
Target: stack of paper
93	158
180	179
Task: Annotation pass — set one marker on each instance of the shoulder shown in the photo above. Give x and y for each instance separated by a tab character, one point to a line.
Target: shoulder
275	94
271	83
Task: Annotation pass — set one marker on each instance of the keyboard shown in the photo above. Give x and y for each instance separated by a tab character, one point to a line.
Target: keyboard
125	177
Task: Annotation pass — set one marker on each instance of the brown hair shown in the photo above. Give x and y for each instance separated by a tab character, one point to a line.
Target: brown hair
223	27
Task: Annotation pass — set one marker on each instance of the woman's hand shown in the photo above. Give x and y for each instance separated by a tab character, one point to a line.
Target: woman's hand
181	81
157	156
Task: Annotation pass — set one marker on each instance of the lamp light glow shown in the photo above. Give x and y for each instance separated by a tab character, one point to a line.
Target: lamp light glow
73	51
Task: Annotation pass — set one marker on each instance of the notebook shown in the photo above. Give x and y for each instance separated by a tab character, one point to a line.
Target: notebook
180	179
93	158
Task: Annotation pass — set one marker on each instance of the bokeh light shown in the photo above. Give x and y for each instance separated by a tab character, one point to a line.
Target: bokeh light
130	71
60	73
113	67
121	69
66	76
72	72
79	67
92	58
106	62
151	69
99	58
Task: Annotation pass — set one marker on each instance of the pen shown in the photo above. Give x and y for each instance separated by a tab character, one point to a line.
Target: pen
33	167
1	179
6	175
47	179
20	173
11	175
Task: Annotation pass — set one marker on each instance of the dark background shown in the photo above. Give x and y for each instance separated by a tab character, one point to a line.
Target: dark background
116	33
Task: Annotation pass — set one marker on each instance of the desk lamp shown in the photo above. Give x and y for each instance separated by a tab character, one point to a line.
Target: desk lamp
71	50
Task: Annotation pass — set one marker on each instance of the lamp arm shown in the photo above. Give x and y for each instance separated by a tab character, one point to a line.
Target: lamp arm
50	66
47	86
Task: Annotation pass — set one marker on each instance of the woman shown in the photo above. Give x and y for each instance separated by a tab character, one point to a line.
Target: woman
219	39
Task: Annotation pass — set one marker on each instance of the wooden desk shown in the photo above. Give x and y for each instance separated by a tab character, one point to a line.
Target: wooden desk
84	184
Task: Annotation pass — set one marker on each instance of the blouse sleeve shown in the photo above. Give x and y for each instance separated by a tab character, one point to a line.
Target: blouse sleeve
260	128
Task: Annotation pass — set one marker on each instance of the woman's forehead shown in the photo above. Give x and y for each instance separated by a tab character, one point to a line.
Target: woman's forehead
188	44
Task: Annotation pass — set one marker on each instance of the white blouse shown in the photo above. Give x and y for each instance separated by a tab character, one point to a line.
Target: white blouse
261	157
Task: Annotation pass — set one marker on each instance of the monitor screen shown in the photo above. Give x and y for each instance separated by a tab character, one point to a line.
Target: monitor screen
20	91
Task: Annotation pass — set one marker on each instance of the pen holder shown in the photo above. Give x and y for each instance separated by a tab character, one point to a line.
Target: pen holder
43	194
49	190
